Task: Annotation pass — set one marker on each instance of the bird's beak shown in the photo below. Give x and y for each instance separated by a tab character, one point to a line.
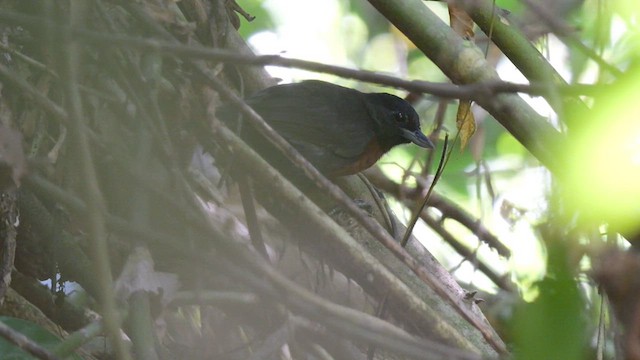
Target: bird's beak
418	138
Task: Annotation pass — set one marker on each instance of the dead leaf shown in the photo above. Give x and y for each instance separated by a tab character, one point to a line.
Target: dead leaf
465	122
460	22
138	274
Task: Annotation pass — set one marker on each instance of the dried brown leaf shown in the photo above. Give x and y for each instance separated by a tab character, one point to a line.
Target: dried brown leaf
465	122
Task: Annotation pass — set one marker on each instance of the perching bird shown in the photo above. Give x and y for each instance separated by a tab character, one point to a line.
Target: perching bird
341	131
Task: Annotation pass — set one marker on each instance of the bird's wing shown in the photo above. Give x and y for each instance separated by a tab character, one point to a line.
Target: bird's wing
335	118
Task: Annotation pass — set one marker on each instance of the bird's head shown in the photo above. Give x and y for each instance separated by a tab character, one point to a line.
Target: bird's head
397	121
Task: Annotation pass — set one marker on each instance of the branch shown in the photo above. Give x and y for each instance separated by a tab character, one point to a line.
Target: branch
25	343
560	28
464	63
304	214
468	91
370	329
343	320
501	281
71	60
446	207
9	216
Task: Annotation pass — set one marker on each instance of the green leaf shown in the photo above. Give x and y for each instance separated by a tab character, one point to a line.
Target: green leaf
34	332
553	325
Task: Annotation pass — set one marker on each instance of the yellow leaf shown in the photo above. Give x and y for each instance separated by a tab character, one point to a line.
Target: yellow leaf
465	122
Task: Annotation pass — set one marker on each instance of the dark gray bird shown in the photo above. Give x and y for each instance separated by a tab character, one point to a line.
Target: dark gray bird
341	131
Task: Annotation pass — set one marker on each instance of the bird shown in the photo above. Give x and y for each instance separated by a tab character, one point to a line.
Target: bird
340	130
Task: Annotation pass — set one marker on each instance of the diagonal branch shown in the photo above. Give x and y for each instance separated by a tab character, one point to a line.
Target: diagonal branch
464	63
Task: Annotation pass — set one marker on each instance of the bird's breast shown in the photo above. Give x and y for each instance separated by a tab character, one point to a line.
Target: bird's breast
372	152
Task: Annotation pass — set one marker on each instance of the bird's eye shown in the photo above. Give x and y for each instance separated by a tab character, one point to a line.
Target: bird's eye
401	117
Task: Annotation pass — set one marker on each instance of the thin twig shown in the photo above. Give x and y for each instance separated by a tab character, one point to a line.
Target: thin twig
246	197
418	210
11	76
501	280
445	90
215	298
448	209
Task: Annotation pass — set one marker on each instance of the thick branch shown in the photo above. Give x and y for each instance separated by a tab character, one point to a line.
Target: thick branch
464	63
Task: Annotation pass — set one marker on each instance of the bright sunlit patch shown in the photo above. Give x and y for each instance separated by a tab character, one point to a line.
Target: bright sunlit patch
310	30
604	164
628	9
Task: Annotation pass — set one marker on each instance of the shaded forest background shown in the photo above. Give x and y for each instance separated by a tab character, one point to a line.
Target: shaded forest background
135	225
